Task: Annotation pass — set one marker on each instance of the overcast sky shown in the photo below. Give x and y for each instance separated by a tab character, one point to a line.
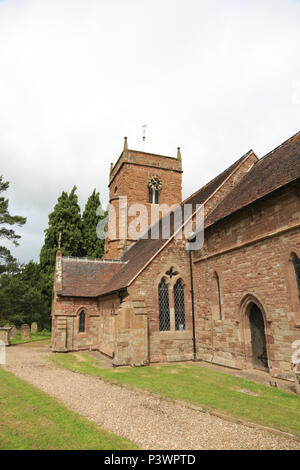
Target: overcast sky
215	77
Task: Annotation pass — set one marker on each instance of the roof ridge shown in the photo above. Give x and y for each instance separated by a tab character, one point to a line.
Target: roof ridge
94	260
279	146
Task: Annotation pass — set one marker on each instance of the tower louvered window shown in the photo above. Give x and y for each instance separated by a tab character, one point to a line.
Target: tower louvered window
153	196
296	262
179	305
82	322
164	306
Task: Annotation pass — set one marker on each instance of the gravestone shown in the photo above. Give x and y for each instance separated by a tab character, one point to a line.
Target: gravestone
25	331
13	332
34	327
4	335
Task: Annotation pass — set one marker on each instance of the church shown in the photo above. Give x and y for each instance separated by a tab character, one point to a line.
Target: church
234	300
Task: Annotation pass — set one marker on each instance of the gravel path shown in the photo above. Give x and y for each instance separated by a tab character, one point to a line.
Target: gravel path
150	422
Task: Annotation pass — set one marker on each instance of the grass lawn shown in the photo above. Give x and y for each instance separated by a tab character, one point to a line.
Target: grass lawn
33	337
32	420
207	388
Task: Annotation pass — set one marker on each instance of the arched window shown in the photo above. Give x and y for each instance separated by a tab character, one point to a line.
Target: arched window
82	322
219	296
296	262
153	196
164	306
179	305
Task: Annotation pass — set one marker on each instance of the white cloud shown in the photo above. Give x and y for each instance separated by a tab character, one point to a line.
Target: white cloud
216	77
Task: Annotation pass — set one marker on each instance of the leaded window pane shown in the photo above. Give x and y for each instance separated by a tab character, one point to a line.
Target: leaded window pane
164	306
179	305
82	322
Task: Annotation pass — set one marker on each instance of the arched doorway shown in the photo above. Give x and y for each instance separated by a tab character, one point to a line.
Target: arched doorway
258	338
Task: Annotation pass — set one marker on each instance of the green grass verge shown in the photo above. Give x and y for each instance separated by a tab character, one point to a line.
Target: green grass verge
32	420
204	387
33	337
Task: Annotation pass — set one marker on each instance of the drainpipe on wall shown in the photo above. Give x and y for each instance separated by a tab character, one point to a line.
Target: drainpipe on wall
191	239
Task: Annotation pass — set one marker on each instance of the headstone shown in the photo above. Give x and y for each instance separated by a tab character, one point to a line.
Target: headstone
4	335
25	331
34	327
13	332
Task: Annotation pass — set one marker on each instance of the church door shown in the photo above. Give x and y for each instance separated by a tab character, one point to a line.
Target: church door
258	339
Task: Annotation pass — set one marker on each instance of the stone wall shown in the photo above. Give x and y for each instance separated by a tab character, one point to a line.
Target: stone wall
131	341
129	179
65	324
251	253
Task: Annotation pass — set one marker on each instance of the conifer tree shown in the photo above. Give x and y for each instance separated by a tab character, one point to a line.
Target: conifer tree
64	219
7	233
93	247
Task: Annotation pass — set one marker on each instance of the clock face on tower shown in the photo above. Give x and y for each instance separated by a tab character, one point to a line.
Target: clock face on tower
155	183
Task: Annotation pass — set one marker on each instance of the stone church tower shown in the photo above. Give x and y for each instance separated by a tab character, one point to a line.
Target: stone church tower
139	178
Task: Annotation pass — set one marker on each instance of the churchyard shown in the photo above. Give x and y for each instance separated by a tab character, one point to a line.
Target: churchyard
228	395
31	419
76	401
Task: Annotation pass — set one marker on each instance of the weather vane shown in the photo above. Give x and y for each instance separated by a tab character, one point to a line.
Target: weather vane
144	132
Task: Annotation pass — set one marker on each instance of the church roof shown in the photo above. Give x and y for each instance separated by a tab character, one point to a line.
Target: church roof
142	251
93	278
276	169
82	277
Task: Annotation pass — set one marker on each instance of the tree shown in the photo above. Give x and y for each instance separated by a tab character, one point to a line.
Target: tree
9	234
64	219
21	296
93	247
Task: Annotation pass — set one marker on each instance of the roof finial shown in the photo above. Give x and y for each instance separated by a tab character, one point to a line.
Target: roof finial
125	145
111	167
178	154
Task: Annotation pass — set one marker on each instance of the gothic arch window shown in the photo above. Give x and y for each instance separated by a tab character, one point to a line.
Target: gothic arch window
219	296
164	306
153	196
179	306
154	186
82	322
296	262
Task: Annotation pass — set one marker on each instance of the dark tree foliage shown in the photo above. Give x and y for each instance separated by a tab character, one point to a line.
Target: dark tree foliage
93	247
21	296
65	220
6	221
26	290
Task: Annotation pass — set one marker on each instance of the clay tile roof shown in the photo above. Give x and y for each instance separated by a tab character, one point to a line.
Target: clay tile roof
200	196
84	278
144	249
275	170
